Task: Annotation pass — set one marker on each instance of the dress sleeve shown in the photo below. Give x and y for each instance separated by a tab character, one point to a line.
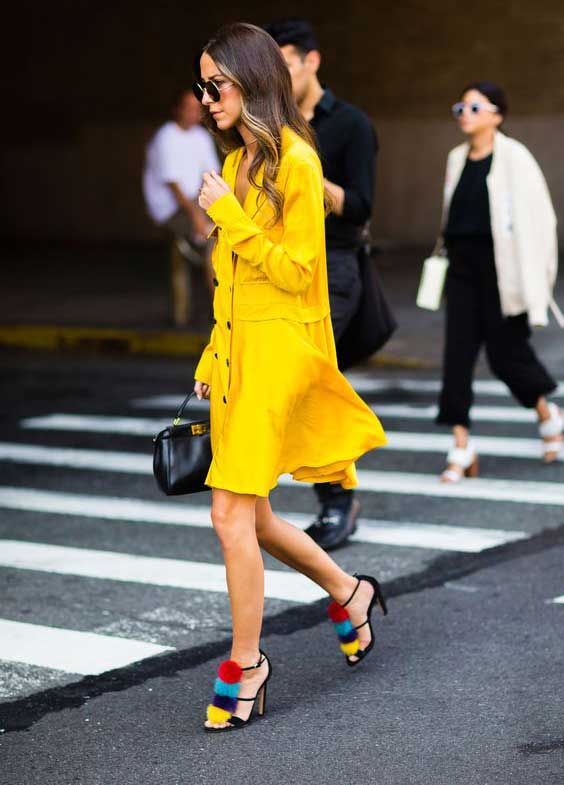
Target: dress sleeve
203	372
289	263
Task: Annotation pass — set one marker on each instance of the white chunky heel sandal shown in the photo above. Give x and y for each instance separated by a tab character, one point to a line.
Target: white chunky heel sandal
551	433
462	462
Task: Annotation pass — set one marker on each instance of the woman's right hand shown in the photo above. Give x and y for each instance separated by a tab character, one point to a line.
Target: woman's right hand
202	390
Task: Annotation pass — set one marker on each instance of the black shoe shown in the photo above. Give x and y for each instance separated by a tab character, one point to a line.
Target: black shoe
333	526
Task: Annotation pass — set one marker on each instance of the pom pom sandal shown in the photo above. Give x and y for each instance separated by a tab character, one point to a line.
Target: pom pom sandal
226	695
551	433
462	462
348	635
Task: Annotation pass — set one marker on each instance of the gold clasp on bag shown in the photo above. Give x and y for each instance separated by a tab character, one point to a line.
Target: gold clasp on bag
199	428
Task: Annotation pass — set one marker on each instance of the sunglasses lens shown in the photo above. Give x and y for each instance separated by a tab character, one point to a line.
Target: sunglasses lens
213	91
198	91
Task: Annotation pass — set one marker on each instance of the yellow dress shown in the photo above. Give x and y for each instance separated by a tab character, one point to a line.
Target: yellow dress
278	402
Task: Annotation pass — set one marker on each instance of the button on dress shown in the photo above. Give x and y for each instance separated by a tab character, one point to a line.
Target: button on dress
278	403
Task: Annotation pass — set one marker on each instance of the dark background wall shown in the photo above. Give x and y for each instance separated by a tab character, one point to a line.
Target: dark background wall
86	83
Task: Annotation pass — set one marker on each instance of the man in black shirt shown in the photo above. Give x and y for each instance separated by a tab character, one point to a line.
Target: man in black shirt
347	147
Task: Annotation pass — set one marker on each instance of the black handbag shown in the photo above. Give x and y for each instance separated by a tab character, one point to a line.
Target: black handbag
373	323
182	455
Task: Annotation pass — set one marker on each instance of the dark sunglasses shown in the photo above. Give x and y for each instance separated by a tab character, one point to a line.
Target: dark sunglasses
209	87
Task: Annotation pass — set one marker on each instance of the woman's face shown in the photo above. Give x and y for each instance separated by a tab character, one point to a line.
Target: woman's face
227	111
471	122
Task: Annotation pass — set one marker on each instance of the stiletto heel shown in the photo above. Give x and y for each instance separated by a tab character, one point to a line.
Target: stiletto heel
348	635
261	708
226	695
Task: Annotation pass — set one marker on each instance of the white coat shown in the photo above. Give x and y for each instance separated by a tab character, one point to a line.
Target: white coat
523	226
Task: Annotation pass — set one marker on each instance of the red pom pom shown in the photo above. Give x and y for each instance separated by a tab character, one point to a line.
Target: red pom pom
337	613
229	672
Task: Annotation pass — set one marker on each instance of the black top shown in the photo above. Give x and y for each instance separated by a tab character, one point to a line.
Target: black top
347	148
469	214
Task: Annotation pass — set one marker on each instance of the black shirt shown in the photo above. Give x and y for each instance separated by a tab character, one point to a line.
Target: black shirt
469	213
347	148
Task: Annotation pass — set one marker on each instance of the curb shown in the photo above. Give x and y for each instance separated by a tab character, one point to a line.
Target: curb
115	340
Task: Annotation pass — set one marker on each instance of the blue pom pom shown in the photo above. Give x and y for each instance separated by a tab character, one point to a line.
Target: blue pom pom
349	637
223	688
344	627
224	702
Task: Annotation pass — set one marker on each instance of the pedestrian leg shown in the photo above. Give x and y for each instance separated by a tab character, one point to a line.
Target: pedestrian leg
295	548
233	518
179	286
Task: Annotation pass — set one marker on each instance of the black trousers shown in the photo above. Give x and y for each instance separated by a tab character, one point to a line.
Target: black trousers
473	319
344	297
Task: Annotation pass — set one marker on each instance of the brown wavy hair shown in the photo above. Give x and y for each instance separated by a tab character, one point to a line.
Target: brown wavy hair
250	58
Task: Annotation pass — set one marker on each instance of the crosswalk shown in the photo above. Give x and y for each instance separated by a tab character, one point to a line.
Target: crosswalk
82	516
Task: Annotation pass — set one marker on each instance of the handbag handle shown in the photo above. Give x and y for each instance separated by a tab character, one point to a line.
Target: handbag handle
183	405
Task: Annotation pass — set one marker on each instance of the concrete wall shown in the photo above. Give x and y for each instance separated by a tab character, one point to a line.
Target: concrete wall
92	81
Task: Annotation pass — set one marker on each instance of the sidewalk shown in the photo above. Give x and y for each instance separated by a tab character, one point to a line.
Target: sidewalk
116	301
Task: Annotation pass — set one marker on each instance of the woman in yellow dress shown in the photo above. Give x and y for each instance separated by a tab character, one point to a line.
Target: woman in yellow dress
278	402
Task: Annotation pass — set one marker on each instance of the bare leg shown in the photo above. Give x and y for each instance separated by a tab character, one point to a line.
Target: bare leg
180	286
296	549
233	517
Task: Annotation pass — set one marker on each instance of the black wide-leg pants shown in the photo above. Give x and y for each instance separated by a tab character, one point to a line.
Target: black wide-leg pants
474	319
345	289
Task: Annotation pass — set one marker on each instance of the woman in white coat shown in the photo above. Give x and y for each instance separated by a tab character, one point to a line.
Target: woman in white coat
499	229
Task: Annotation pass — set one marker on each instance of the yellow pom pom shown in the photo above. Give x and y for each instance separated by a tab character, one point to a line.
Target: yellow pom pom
217	715
350	648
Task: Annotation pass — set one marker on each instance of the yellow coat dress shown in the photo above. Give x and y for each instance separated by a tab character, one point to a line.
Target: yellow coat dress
278	402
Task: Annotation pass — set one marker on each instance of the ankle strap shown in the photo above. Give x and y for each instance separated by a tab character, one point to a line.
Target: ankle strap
258	664
354	592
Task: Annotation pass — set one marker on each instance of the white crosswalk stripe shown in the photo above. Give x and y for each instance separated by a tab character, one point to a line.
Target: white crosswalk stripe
362	384
86	653
470	539
497	414
146	426
397	440
176	573
525	492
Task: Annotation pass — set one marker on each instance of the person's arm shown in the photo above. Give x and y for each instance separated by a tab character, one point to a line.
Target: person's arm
535	234
288	264
353	200
203	372
192	210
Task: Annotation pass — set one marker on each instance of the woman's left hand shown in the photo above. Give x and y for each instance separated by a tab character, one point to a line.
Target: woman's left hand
213	188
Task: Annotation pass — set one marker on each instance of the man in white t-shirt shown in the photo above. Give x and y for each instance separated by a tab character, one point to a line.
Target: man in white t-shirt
177	156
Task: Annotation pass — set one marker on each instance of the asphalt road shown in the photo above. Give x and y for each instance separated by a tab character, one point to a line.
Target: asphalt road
465	685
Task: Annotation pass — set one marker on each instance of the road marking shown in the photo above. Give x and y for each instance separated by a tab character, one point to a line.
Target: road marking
148	570
74	458
467	539
87	653
362	384
486	445
559	600
147	426
397	440
97	423
498	414
518	491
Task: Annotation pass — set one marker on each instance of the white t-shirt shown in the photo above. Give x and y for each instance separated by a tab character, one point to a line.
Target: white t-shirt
176	156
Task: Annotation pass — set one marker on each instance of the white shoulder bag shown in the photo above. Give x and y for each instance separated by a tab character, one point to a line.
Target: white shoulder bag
432	283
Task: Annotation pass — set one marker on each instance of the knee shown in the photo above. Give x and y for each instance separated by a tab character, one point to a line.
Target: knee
233	521
224	524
